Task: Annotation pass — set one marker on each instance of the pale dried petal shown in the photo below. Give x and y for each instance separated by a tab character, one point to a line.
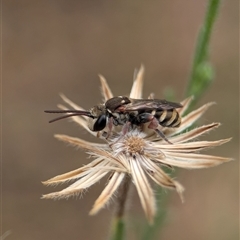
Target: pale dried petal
80	142
161	178
108	192
83	183
70	103
125	162
62	194
194	133
151	96
192	160
86	145
105	89
74	190
144	190
186	103
137	87
98	164
72	175
92	177
192	146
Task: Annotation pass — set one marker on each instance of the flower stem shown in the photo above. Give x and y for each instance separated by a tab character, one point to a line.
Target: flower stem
118	230
151	230
202	73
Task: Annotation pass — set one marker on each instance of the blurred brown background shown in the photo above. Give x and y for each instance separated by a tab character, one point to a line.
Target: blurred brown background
60	46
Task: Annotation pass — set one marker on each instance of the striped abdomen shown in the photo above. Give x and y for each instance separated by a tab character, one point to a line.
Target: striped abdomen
168	118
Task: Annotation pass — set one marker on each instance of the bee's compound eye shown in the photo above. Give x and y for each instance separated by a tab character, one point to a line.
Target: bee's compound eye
100	123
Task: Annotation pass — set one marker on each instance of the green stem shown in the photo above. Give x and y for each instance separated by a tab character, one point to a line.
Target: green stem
202	73
150	231
118	231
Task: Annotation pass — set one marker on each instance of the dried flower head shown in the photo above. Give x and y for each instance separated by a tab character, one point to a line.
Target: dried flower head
139	154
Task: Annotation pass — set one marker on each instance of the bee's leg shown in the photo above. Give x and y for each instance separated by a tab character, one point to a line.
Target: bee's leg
154	125
148	117
125	128
124	131
162	135
110	127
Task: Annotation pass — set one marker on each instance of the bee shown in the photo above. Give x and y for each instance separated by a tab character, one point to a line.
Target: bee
128	112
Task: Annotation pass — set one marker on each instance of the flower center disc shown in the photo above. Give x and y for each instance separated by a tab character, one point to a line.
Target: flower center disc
135	145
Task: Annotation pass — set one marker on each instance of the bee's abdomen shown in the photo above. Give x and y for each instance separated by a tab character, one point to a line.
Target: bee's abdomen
168	118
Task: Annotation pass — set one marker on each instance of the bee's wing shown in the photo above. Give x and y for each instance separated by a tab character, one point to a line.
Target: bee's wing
151	104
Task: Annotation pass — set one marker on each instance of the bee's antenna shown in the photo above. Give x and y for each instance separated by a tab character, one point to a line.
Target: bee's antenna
73	113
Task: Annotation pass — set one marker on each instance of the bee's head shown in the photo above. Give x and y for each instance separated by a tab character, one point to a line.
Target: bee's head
97	124
99	118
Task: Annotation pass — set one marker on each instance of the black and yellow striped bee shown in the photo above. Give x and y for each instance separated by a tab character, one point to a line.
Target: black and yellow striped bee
129	112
